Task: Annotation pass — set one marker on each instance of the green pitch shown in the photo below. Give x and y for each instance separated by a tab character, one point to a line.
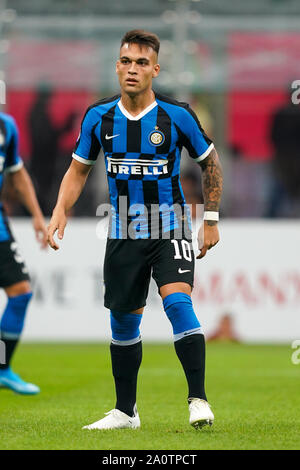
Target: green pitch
254	392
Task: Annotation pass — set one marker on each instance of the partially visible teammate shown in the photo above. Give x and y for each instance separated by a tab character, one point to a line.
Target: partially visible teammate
142	134
14	278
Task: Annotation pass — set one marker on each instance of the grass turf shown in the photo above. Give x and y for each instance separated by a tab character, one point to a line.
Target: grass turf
254	390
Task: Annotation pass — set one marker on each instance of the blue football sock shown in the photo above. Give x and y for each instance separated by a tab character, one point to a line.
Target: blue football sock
11	325
126	357
125	327
188	341
180	311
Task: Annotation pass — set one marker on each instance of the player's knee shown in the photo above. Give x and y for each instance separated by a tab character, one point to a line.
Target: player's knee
13	318
125	327
19	288
179	309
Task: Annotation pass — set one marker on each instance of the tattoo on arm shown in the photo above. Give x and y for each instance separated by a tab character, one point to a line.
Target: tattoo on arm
212	182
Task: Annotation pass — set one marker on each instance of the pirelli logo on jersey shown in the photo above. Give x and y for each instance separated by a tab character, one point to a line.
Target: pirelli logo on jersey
133	166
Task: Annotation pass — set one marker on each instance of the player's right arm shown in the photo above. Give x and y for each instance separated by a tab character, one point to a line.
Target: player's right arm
84	157
70	190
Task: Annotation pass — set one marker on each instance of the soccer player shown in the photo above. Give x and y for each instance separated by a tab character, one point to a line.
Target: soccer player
142	134
14	278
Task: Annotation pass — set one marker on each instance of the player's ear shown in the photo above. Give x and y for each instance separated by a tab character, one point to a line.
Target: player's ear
156	70
117	66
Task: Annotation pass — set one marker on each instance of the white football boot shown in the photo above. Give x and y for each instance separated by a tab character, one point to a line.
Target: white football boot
200	413
116	419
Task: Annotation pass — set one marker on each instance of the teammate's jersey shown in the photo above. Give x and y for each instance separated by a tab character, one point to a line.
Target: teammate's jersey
9	162
142	157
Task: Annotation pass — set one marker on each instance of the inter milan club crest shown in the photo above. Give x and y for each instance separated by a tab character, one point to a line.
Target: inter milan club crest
156	137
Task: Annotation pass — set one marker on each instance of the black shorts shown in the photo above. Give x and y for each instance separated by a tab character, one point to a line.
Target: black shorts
128	266
12	266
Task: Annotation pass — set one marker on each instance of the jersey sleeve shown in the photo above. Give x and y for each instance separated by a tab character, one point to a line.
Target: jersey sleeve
87	147
192	136
13	161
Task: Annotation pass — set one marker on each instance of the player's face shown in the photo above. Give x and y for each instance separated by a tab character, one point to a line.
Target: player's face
136	68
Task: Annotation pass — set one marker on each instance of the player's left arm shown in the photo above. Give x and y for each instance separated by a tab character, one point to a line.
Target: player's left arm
22	184
202	151
212	184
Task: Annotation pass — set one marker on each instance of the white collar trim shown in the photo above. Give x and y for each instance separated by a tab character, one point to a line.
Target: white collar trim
139	116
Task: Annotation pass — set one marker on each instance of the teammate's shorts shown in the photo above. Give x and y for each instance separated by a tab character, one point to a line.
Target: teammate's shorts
128	266
12	266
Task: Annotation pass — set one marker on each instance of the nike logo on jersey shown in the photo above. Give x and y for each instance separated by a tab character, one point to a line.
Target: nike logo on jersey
181	271
108	137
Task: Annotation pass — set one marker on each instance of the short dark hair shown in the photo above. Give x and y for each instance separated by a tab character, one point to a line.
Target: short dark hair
144	38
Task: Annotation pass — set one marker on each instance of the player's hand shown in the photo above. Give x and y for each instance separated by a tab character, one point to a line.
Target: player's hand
40	230
208	237
58	222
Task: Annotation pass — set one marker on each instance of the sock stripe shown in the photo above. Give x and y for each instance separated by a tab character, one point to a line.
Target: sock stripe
128	342
194	331
5	335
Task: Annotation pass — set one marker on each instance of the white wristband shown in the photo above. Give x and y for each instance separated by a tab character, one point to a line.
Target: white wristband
210	215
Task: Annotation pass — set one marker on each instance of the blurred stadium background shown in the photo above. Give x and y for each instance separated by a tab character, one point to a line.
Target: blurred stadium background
234	62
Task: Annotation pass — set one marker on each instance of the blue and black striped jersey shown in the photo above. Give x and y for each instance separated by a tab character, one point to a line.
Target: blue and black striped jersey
142	155
9	162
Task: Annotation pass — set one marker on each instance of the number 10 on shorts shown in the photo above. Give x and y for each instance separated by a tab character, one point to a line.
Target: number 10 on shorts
185	249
